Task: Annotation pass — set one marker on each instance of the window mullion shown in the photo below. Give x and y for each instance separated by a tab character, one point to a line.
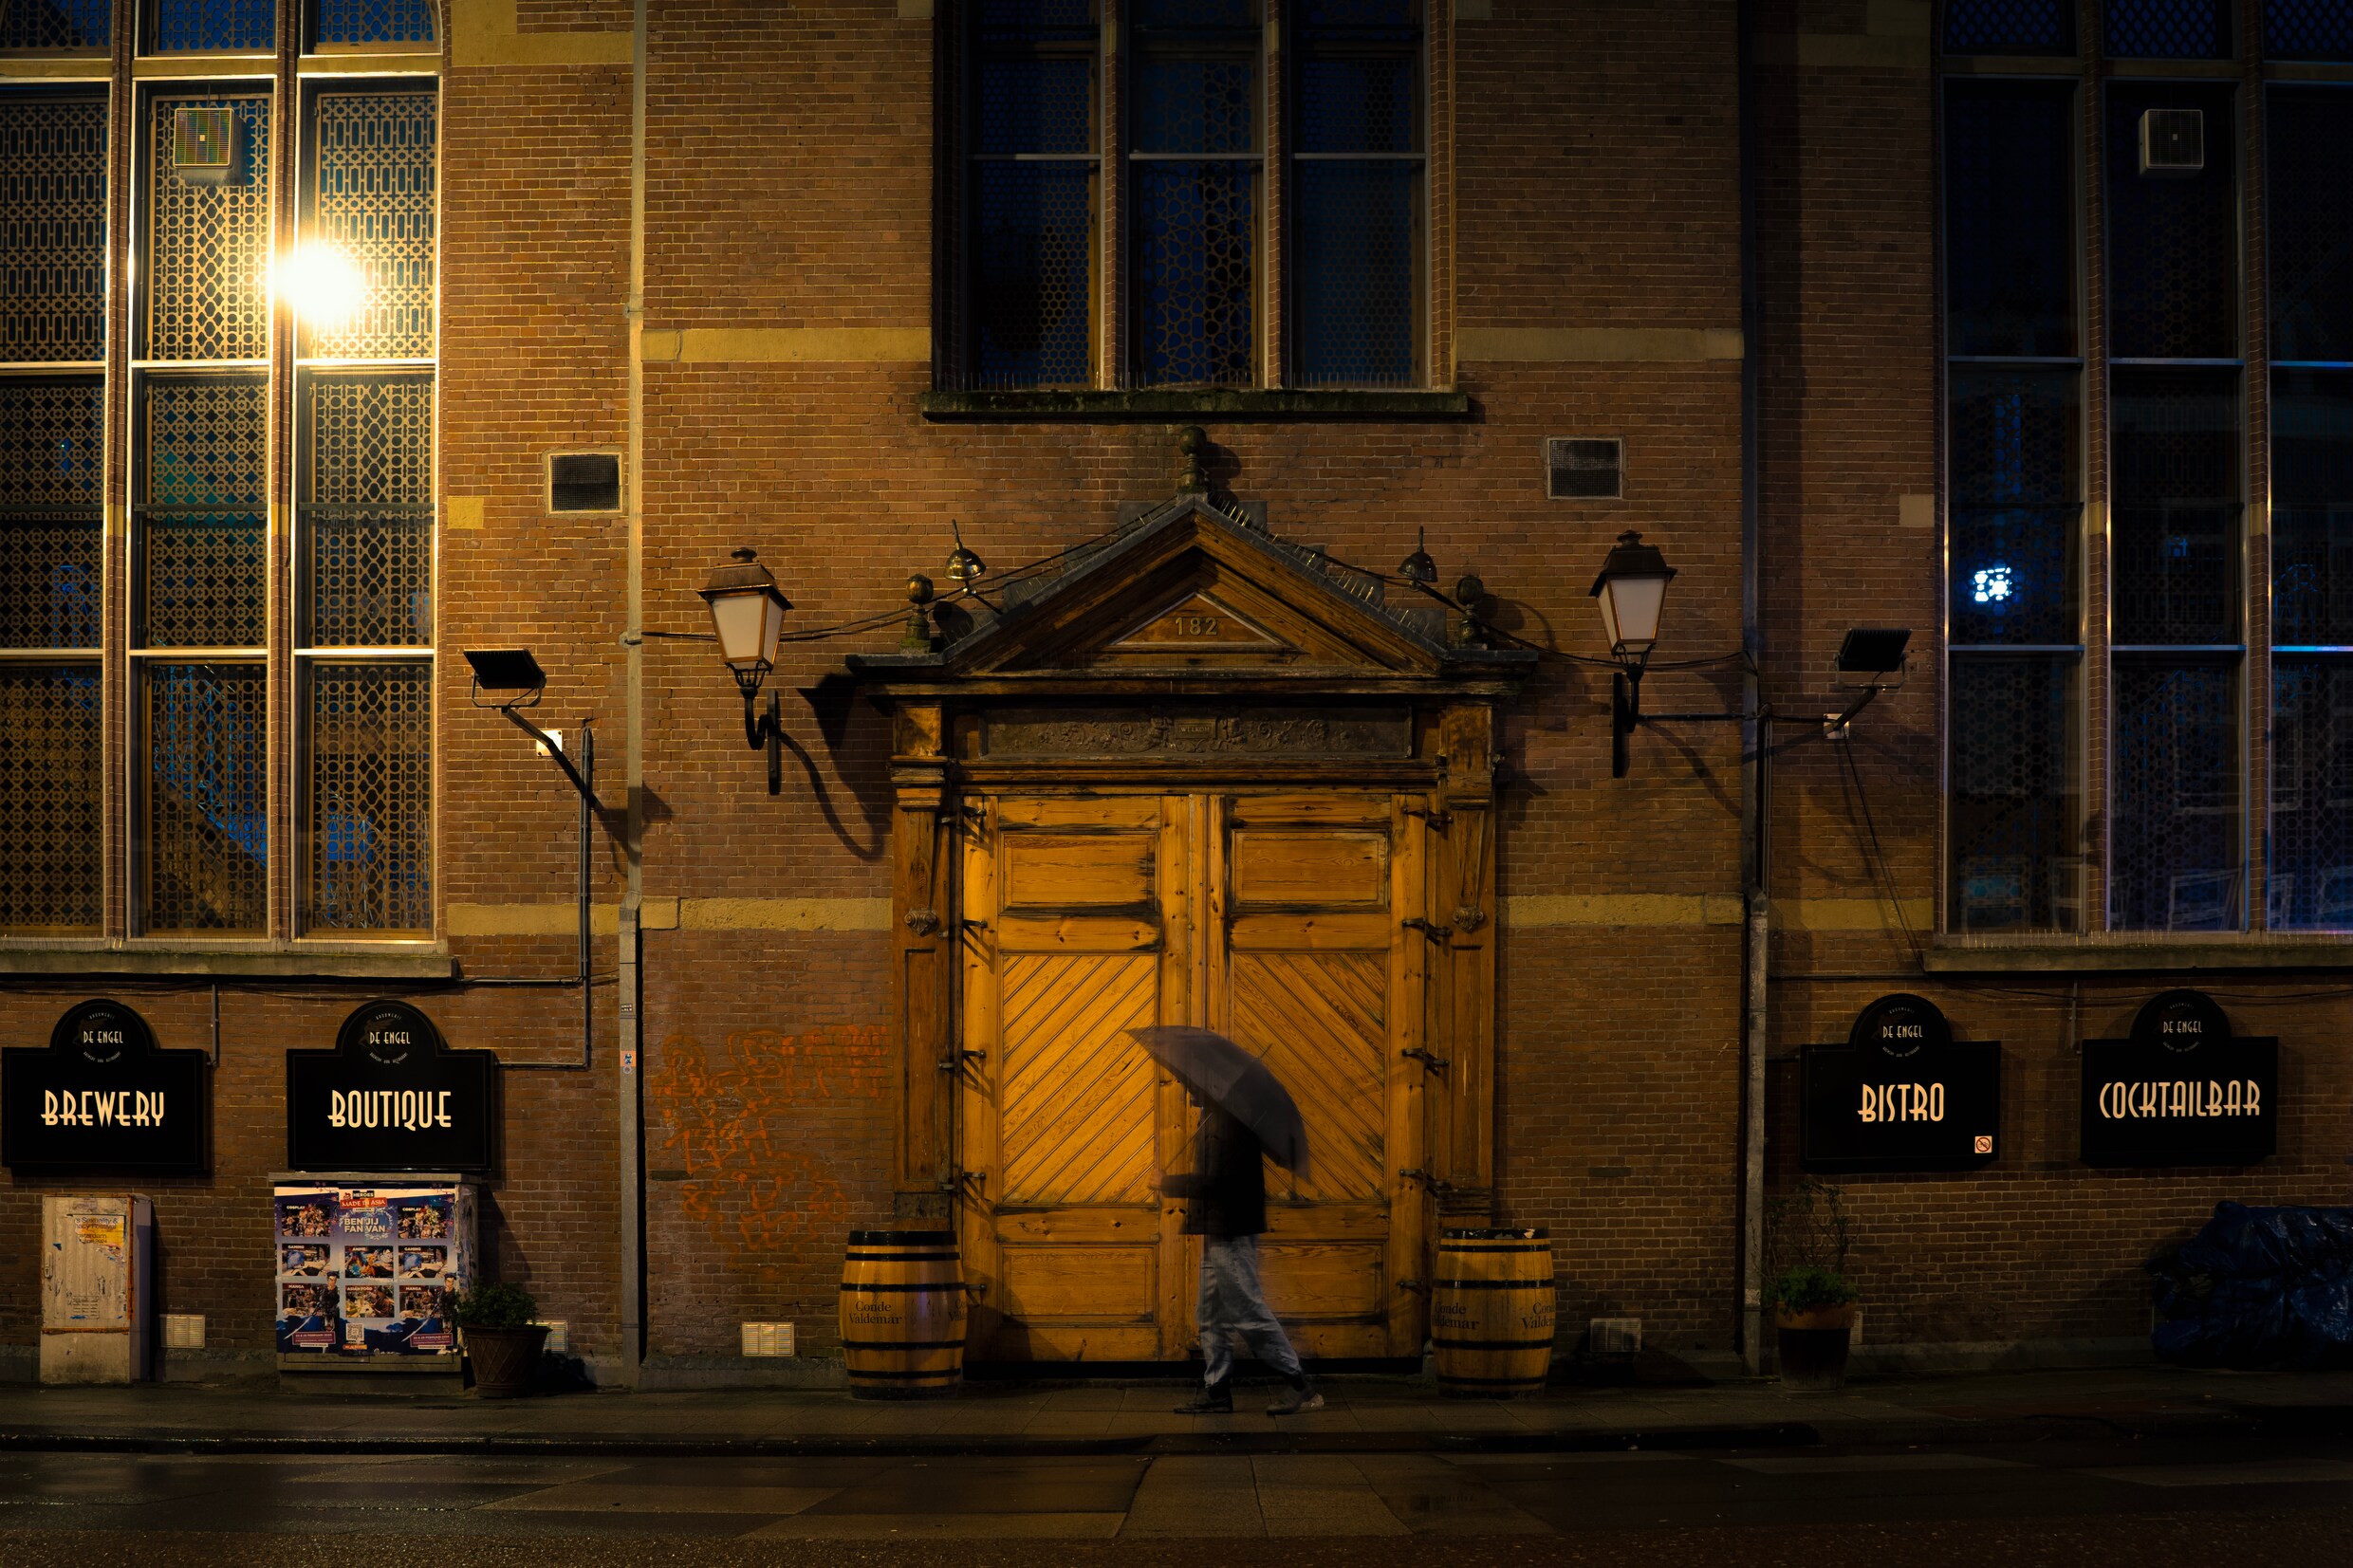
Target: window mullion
1111	200
1274	142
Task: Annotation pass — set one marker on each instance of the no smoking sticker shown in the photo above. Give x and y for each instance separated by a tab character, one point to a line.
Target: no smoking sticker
1985	1143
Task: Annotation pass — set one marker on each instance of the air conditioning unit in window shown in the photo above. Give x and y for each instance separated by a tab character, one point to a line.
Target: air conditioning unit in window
2173	142
206	145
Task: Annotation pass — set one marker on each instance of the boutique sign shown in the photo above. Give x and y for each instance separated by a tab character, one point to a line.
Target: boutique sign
390	1097
101	1098
2184	1090
1901	1094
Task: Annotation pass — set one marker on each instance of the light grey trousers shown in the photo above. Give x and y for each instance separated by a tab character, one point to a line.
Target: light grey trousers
1231	1303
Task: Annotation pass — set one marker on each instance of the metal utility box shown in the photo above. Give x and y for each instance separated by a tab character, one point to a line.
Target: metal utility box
97	1287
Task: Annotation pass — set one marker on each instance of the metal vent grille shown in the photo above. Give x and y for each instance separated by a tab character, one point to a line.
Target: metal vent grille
2309	207
2173	243
56	25
2010	26
373	21
2308	29
373	203
204	833
2015	804
2168	29
207	247
2173	815
367	510
1584	468
2310	885
368	800
50	792
53	270
50	523
250	25
201	543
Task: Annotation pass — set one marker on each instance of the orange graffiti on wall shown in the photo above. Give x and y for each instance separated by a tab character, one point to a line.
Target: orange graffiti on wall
731	1116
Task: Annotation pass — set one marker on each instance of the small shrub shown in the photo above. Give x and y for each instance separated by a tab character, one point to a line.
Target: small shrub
1804	1287
495	1306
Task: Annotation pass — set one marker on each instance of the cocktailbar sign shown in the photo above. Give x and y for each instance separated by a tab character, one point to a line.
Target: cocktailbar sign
1900	1094
101	1098
2184	1089
390	1097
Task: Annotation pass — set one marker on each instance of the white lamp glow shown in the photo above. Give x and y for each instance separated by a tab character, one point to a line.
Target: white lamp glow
326	287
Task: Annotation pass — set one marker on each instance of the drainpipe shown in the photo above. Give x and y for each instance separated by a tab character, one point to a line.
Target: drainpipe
1756	793
632	1133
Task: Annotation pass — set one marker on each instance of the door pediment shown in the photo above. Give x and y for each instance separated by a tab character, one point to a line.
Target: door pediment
1190	594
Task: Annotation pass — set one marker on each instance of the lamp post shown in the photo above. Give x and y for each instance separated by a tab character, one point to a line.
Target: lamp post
1632	590
747	617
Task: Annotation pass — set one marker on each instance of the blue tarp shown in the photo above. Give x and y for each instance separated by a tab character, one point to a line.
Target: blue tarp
2259	1287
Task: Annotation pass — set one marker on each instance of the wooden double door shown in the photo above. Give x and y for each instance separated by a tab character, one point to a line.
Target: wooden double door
1291	922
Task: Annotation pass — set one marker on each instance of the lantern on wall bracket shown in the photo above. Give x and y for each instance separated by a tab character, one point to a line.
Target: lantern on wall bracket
1632	590
747	617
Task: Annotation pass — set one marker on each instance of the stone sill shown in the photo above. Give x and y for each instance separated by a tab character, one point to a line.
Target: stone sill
1195	404
232	963
2137	957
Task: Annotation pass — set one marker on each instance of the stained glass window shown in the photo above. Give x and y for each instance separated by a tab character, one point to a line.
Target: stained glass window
1194	131
2168	29
1357	174
1032	193
2010	26
2173	235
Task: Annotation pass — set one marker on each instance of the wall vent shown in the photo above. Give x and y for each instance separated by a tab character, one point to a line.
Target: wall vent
767	1338
183	1330
1618	1337
2173	142
1584	468
584	482
205	145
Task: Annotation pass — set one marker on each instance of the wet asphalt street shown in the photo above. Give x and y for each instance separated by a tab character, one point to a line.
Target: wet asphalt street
2071	1504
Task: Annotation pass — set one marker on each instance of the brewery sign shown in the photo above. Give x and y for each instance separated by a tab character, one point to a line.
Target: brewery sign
2184	1090
390	1097
1901	1094
100	1098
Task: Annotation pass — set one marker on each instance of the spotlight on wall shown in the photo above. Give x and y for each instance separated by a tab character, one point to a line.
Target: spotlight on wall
748	614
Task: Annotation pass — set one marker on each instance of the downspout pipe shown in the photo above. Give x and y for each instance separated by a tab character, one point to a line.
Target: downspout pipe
630	1093
1756	802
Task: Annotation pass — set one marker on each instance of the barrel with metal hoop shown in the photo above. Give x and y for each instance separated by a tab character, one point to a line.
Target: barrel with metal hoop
902	1314
1492	1313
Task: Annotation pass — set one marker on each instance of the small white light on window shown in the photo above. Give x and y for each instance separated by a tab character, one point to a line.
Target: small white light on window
1992	585
324	287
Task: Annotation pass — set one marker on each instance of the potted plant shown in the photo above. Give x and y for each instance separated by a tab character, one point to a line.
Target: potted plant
1813	1301
502	1342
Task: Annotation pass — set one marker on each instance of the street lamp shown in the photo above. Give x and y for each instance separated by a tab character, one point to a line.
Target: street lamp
1632	589
747	616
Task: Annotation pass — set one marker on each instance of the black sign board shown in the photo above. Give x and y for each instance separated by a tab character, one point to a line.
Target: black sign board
390	1097
2184	1090
103	1098
1900	1094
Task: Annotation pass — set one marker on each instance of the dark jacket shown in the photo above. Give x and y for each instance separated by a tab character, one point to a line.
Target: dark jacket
1225	1192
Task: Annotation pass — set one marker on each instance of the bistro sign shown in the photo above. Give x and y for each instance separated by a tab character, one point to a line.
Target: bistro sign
2184	1090
1901	1094
390	1097
100	1098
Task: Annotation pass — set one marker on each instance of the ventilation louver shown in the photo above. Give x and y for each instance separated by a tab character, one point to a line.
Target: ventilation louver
2173	142
1579	469
205	145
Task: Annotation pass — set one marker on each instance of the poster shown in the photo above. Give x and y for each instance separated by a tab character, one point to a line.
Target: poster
368	1270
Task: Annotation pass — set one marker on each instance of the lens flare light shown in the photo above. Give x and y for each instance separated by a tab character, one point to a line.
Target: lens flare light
323	285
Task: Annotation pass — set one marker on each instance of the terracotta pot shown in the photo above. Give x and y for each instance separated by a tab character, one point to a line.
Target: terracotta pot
1813	1343
505	1360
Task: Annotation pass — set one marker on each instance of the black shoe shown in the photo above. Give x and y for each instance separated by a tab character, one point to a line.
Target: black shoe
1298	1397
1215	1399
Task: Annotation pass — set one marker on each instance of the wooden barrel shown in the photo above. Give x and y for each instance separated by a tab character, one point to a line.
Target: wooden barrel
1491	1313
902	1314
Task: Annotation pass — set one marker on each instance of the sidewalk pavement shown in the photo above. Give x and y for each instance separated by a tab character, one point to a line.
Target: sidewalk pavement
1363	1415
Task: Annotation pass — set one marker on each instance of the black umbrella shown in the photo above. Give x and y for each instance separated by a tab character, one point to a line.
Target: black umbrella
1220	1073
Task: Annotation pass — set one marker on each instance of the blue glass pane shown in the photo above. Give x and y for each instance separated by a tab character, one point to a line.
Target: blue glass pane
374	21
2177	436
1031	244
1356	246
2312	507
56	24
2010	26
1195	237
206	825
2009	218
2014	805
2172	239
2309	193
2168	29
1196	105
249	24
2311	870
2016	476
2176	860
1036	105
1358	105
2308	29
1194	14
2017	434
2013	574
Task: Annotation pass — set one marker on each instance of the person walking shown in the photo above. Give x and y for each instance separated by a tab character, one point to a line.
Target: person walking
1226	1206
